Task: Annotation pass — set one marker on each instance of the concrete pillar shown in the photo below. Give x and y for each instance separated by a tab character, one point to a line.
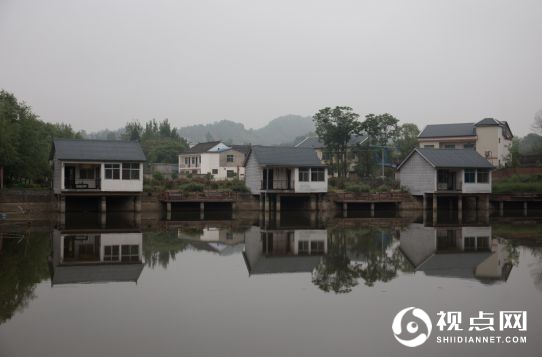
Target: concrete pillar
525	208
103	205
425	202
435	200
137	204
103	219
137	219
372	209
266	203
262	199
202	211
168	211
313	203
62	219
277	205
62	205
460	208
501	208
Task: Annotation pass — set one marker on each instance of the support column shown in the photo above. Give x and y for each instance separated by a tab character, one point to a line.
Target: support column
525	208
501	208
168	211
372	209
262	199
103	219
435	200
62	204
277	206
460	208
137	204
266	203
313	203
103	205
202	211
425	202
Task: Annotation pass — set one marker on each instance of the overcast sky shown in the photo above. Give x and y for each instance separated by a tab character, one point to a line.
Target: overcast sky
98	64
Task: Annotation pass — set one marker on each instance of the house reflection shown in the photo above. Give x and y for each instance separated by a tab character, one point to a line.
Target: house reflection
220	240
269	251
95	256
467	252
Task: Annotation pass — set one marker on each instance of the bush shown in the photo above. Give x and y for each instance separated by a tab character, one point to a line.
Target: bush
357	187
192	187
238	186
157	176
519	184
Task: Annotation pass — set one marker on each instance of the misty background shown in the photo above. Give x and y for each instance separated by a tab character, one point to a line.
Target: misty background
98	64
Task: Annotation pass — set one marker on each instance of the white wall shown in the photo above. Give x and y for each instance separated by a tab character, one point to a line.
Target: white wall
309	186
309	235
476	187
209	161
122	185
418	175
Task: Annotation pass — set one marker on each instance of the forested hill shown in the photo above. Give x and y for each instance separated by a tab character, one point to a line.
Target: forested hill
278	131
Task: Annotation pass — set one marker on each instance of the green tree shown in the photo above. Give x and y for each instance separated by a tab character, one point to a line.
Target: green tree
335	127
407	139
133	131
381	129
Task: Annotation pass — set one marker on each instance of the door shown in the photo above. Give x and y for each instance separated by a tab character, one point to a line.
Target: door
267	179
69	177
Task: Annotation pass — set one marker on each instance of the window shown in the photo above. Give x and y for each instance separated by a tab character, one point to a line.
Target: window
483	176
303	247
112	171
429	146
229	236
130	171
470	176
303	175
229	158
86	173
215	171
187	161
317	174
317	247
111	253
230	173
468	146
470	243
482	243
193	160
449	146
488	154
130	253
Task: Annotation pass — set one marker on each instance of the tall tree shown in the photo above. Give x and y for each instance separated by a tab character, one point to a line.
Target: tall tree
382	129
537	124
335	127
407	139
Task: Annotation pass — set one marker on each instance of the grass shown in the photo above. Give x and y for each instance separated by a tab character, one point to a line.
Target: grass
193	184
363	185
519	184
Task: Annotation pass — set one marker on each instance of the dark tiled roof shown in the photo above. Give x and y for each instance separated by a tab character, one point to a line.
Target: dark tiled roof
459	158
285	156
245	149
455	265
315	142
202	147
97	150
488	121
447	130
96	273
275	265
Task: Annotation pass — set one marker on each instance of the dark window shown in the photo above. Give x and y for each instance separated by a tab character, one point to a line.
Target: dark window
86	174
429	146
229	158
303	247
130	253
470	176
303	175
130	171
470	243
317	247
230	173
111	253
112	171
449	146
468	146
483	176
317	174
215	171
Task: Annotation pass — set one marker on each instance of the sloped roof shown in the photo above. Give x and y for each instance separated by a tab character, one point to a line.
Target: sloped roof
285	156
454	265
315	142
452	158
202	147
275	265
245	149
96	273
97	150
488	121
507	132
447	130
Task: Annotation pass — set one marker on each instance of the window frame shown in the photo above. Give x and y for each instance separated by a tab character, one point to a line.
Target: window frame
230	158
113	169
318	174
304	174
130	171
483	172
469	172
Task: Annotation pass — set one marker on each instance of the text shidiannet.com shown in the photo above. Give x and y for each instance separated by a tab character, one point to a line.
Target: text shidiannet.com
482	339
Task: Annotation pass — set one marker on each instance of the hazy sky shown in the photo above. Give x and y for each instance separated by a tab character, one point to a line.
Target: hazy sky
98	64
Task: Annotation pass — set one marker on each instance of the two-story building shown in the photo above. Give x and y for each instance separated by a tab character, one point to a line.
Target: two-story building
490	137
434	173
276	172
104	169
216	159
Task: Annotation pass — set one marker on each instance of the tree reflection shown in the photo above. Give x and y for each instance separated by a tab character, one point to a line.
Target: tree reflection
368	254
160	248
23	264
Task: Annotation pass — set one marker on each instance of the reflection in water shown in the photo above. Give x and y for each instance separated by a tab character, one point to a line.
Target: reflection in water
96	257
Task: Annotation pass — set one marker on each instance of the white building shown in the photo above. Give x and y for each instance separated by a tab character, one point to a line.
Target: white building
491	138
216	159
93	166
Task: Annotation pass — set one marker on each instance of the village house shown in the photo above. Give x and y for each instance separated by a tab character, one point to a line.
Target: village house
325	157
446	173
216	159
98	169
490	137
275	172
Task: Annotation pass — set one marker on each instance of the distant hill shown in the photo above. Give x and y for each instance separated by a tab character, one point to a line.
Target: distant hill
282	130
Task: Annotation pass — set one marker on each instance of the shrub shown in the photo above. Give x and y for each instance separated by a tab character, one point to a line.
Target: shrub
192	187
238	186
157	176
357	187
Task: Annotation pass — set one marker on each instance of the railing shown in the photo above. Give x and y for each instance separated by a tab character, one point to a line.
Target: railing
444	186
207	195
83	184
283	184
376	196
